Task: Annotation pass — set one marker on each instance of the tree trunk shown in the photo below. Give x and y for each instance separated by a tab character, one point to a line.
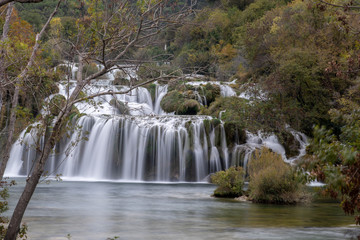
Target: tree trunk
79	74
4	37
11	129
51	137
18	81
33	180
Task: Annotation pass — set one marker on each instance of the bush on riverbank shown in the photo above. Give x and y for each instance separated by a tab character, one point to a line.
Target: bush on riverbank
274	181
230	182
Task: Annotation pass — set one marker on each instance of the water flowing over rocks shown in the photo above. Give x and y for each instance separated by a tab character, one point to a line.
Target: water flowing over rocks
130	137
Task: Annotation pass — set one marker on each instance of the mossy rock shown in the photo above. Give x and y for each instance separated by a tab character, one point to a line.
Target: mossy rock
189	107
215	122
235	134
173	83
189	94
171	101
290	144
212	91
177	84
120	106
174	101
152	90
207	125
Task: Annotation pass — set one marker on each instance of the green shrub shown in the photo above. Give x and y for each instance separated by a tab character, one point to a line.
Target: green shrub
171	101
273	181
211	92
189	107
175	101
230	182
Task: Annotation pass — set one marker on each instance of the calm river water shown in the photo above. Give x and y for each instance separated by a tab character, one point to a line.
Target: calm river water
101	210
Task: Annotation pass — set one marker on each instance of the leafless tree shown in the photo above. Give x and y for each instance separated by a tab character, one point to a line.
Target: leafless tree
17	81
107	37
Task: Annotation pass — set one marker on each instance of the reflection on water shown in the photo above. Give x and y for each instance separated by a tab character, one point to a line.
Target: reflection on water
98	210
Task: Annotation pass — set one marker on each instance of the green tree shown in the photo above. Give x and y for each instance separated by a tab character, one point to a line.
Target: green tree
336	154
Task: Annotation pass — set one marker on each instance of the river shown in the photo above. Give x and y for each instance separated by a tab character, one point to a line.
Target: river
101	210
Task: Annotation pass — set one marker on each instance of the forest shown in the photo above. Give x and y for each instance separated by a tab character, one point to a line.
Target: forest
219	72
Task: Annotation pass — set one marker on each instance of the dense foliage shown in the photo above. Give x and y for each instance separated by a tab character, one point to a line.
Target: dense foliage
230	182
274	181
336	154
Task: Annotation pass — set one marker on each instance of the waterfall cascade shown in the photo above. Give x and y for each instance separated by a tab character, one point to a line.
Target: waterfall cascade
145	144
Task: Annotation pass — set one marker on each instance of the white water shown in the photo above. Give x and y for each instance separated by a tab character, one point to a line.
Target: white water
150	148
242	153
141	144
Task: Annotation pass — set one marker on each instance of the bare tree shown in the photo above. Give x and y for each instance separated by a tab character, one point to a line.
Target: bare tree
3	40
17	81
107	37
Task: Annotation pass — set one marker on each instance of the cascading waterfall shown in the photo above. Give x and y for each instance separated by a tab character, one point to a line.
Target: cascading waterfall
142	148
160	92
143	144
241	153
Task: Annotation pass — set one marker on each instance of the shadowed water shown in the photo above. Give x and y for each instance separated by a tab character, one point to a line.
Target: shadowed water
98	210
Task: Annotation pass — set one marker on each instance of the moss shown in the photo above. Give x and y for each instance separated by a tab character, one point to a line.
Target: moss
189	107
215	122
211	92
189	94
218	136
235	134
152	89
289	142
207	125
173	83
171	101
174	101
189	128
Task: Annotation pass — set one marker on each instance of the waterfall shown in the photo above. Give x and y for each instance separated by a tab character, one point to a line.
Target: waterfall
160	92
142	143
146	148
241	153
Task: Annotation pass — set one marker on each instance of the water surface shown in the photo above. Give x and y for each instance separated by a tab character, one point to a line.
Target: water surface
99	210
